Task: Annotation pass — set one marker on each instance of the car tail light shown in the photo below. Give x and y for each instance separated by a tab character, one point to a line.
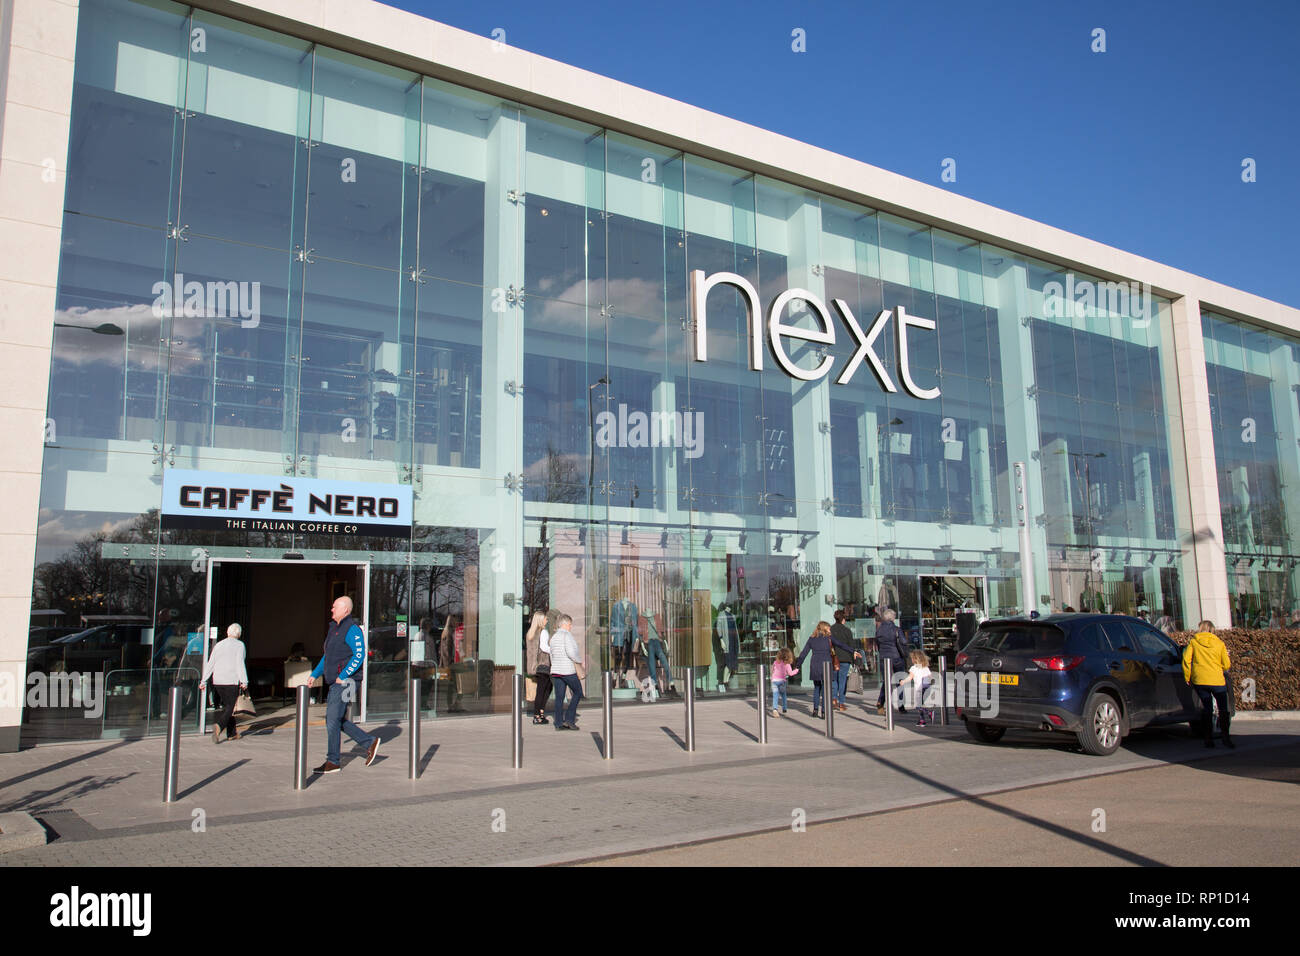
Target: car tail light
962	658
1058	663
1056	721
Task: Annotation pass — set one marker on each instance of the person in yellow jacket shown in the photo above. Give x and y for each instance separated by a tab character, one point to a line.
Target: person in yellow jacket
1204	662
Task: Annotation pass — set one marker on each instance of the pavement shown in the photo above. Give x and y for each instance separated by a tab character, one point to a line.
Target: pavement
102	800
1233	809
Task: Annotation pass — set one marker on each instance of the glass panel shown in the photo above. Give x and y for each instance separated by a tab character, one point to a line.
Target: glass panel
125	126
244	167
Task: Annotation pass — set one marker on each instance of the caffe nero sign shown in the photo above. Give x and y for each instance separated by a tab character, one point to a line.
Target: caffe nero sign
213	500
824	334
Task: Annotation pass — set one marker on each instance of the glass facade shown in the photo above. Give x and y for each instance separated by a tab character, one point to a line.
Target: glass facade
1254	380
280	259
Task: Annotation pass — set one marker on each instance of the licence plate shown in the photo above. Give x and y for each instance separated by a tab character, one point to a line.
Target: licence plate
1011	680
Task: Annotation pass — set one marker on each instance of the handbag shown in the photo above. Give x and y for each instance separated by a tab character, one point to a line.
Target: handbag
854	685
244	706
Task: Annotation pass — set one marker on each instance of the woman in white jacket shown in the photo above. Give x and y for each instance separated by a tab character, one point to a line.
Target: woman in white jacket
229	677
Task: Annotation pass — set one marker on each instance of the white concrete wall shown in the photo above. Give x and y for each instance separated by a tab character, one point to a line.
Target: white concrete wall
37	42
1210	587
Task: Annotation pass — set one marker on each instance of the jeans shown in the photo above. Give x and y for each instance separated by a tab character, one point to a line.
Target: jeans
657	651
778	694
1220	696
817	696
923	714
841	680
570	683
336	719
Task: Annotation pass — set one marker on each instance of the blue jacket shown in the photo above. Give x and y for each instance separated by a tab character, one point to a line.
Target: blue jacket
892	643
345	652
820	647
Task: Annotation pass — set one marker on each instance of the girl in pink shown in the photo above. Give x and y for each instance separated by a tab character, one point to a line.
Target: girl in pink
782	670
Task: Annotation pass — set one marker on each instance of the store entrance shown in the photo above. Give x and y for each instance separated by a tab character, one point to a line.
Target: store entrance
283	608
951	608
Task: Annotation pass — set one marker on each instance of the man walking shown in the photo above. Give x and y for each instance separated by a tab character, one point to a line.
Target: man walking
341	667
841	632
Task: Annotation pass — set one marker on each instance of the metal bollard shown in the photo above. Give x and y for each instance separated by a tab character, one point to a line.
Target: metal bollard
690	710
413	722
828	701
943	690
889	695
608	713
172	755
517	723
300	737
762	703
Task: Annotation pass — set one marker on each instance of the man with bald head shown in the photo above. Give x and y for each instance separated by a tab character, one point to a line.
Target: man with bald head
341	667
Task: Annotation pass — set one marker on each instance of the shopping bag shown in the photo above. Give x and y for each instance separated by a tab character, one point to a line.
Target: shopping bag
855	681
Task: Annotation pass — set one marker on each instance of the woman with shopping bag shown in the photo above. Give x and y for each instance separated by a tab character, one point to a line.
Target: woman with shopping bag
229	679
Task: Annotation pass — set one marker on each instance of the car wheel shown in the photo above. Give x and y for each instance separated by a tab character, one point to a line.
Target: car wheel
1101	731
984	733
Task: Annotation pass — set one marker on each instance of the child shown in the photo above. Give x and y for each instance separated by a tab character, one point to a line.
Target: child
919	675
782	670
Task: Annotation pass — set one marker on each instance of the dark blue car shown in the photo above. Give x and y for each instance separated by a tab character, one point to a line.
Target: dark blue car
1097	676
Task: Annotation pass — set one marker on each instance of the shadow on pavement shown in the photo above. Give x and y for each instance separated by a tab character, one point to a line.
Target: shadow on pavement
956	793
739	729
669	731
66	791
209	779
59	765
428	756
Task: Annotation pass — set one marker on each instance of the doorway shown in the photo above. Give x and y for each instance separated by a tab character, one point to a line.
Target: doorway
951	607
283	608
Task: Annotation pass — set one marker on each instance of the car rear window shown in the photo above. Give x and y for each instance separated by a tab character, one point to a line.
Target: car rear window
1007	639
1090	637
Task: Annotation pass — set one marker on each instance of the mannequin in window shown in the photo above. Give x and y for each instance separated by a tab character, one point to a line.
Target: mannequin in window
622	635
726	645
887	596
657	651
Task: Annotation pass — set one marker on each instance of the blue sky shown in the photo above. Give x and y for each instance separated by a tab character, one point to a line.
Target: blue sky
1140	147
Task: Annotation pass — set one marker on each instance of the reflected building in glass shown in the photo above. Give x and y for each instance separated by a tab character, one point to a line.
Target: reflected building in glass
462	284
